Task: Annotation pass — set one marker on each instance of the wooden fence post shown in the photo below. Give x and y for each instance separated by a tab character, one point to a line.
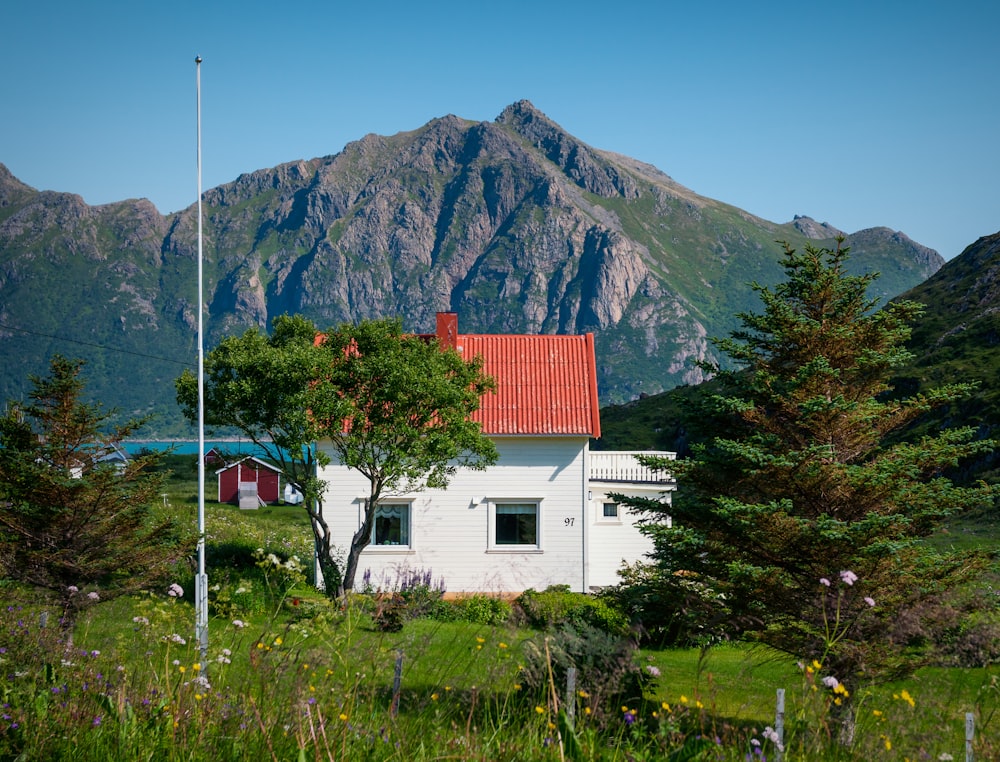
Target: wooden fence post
970	732
779	725
571	695
397	684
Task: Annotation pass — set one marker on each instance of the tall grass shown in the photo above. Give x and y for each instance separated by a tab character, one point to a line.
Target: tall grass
290	675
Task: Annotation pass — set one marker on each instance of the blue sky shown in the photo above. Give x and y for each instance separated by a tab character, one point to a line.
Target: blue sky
855	113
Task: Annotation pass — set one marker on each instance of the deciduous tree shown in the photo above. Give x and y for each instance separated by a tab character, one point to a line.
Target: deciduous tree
394	406
73	524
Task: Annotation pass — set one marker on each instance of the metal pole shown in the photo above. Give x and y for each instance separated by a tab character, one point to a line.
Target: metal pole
201	581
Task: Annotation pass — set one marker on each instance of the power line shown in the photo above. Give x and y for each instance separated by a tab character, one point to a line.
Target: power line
98	346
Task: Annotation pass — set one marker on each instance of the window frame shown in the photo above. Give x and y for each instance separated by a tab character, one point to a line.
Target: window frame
406	506
497	547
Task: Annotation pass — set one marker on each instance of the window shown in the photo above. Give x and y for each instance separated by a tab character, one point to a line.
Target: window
516	524
392	524
611	510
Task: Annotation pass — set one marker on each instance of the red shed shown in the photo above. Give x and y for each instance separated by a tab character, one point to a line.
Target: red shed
249	483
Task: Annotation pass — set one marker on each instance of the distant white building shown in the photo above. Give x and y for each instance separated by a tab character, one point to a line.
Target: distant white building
542	514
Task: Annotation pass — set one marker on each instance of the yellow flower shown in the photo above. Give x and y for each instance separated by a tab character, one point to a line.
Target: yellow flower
905	695
480	640
877	712
502	645
699	705
684	699
887	742
540	710
816	664
434	697
583	694
312	688
586	710
552	726
259	645
196	667
198	697
182	669
448	688
665	706
277	641
343	717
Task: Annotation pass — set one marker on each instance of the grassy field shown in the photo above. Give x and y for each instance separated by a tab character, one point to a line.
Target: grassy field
291	675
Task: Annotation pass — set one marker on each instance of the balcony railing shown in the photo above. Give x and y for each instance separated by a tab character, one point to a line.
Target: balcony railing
622	466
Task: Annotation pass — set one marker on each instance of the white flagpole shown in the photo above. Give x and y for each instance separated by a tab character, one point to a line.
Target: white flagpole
201	581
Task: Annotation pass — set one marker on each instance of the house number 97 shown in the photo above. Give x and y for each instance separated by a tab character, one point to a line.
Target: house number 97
569	522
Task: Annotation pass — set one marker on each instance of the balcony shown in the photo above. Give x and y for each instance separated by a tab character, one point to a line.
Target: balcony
622	467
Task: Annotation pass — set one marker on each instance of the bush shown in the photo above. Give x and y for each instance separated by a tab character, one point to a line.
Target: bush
477	609
607	672
557	606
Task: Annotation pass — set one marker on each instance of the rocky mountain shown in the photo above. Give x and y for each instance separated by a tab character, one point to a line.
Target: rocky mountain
956	339
514	224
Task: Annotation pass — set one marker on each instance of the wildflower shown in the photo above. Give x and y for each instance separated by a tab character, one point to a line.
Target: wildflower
434	697
343	717
175	591
540	709
97	721
831	682
772	735
196	667
182	669
73	589
178	639
277	641
239	624
501	645
905	696
945	757
887	742
848	577
629	717
665	706
140	620
653	671
684	699
93	596
869	600
824	581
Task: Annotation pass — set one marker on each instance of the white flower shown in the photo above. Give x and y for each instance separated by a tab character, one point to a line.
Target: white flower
175	591
239	624
824	581
831	682
73	589
869	600
772	735
140	620
848	577
178	639
93	596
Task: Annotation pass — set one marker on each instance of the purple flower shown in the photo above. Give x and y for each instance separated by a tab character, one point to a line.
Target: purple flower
848	577
653	671
73	589
97	721
869	600
831	682
93	596
175	591
824	581
629	717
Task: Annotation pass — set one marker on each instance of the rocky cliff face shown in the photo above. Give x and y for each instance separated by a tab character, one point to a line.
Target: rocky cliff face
514	224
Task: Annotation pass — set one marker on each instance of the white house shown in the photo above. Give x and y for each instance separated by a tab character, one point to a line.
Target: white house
542	514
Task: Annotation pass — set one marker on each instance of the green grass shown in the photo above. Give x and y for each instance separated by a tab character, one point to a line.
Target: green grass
290	674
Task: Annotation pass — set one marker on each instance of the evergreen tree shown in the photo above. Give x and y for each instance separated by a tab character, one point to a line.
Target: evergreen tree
74	524
800	524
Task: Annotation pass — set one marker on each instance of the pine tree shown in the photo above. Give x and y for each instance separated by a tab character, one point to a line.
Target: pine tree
800	524
73	525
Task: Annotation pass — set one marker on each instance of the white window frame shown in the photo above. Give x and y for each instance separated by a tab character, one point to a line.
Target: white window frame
494	547
406	507
604	517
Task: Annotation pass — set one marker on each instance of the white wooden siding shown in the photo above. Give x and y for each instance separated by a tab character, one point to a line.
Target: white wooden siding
450	527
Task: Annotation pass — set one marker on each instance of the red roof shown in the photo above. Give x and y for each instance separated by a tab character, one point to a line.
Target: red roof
545	384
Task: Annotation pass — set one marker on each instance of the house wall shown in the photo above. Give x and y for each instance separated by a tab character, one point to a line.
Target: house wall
450	529
613	540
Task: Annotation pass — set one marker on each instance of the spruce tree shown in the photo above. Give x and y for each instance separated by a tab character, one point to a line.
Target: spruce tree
800	524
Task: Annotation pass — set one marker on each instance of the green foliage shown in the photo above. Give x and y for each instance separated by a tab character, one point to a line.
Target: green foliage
800	482
74	525
557	606
608	673
396	408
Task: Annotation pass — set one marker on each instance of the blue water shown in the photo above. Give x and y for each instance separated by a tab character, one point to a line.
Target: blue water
239	448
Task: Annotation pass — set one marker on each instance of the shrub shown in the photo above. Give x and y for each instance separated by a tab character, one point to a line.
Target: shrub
607	672
557	606
477	609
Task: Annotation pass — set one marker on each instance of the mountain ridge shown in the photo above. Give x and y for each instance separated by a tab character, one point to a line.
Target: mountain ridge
515	224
